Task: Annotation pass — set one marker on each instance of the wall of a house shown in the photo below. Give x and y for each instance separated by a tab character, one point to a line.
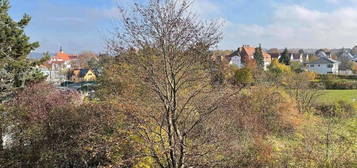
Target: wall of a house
236	61
90	76
323	68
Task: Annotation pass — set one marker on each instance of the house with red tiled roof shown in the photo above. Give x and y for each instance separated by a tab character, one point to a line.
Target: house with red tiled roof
62	60
244	54
58	65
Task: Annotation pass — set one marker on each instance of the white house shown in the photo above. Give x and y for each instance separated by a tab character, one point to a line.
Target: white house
57	66
322	53
323	65
236	61
246	53
299	57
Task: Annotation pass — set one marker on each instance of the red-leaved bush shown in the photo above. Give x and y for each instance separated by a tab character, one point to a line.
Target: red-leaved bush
35	102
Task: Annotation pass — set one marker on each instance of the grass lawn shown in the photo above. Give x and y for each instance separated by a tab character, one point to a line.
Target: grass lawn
331	96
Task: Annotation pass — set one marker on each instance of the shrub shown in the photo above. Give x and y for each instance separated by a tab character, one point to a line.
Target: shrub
297	67
341	109
337	82
243	76
278	68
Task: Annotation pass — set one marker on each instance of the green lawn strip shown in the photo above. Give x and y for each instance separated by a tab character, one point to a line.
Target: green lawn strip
332	96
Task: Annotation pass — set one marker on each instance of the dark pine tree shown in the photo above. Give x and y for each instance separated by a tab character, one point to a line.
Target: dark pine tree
258	56
284	58
15	47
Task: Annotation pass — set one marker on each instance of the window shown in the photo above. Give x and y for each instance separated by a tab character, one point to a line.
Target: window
330	66
318	65
329	72
312	65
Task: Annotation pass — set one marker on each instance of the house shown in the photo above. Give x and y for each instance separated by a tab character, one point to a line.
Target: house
79	75
57	66
275	55
299	57
295	55
62	60
323	65
346	54
244	54
323	53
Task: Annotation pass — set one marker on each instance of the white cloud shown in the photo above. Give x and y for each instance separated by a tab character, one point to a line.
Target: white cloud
297	26
206	8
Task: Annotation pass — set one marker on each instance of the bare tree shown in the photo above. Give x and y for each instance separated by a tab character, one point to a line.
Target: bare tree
168	51
300	88
85	59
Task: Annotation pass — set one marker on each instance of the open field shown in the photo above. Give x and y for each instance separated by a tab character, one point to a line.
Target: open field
331	96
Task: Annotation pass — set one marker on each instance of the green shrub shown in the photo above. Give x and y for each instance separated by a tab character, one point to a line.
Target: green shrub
337	82
243	76
341	109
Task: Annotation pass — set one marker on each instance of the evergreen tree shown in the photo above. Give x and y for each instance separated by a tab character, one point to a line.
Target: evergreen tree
284	58
258	56
15	69
15	47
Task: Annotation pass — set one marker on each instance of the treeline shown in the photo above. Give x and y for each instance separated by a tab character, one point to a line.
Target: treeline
337	81
162	102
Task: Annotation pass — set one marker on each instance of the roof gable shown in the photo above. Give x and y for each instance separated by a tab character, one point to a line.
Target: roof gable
324	60
249	51
296	56
83	72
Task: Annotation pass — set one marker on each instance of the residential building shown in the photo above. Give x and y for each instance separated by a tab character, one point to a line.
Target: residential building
323	65
244	54
79	75
275	55
323	53
57	67
62	60
346	54
299	57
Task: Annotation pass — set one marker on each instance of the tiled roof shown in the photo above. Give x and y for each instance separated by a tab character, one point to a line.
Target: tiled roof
56	62
267	57
274	55
249	50
63	56
323	60
83	72
79	72
296	56
73	57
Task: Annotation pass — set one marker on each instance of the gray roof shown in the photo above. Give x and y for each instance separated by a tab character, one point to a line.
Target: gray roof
347	54
83	72
324	60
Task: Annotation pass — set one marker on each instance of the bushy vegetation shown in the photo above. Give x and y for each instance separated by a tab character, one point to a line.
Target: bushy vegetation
243	76
337	82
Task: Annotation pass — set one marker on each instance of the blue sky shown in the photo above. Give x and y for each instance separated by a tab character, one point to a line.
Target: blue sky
79	25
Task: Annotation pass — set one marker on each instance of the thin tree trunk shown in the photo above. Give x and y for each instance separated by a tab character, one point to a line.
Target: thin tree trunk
1	141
